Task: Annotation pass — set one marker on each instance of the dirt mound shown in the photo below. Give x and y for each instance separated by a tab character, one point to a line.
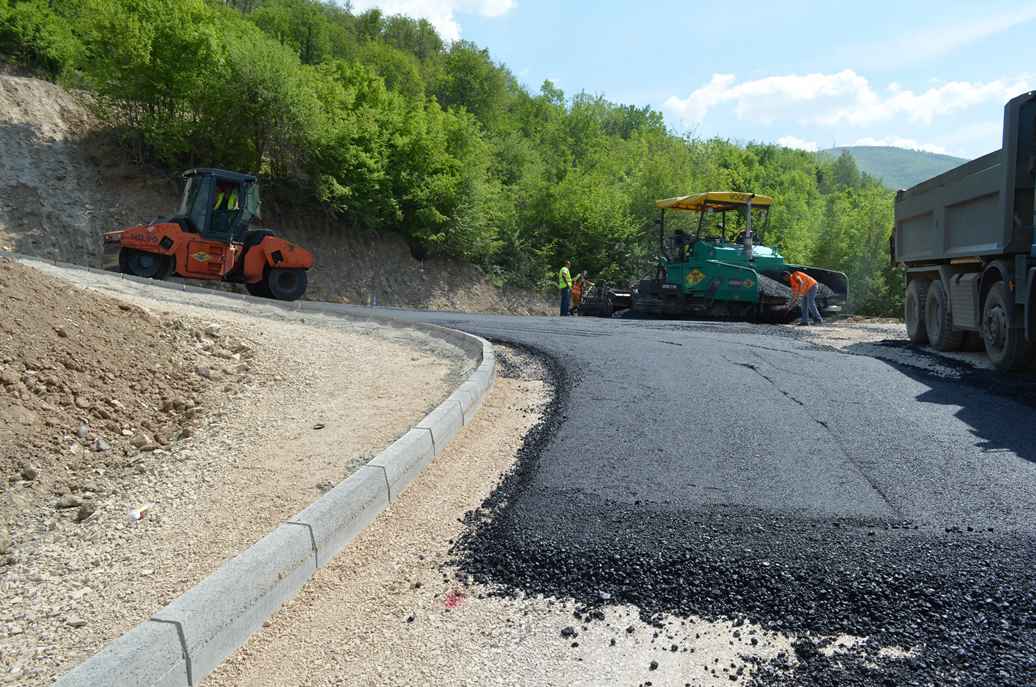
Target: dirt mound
88	383
65	180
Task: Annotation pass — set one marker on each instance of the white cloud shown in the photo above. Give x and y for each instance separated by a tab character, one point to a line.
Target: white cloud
937	41
978	136
843	97
442	14
924	106
768	99
797	143
897	142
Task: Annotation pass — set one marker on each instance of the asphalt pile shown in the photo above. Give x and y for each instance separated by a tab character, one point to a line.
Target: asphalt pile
958	603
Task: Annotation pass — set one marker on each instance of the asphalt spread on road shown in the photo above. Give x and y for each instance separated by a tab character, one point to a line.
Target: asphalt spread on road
733	471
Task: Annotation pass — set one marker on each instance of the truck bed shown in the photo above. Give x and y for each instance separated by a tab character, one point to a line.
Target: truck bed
981	208
956	214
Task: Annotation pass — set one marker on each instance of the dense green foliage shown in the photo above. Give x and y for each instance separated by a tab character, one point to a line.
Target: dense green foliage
897	167
39	34
382	122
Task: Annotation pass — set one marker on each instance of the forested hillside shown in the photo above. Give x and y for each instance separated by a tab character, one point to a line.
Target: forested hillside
897	167
381	122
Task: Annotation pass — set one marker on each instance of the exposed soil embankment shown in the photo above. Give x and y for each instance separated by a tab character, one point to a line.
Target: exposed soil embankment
64	181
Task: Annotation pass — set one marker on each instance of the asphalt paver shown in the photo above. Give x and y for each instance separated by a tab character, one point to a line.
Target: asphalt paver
736	471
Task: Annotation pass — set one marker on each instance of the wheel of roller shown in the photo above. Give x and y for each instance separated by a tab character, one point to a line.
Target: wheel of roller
286	284
147	265
939	321
914	307
259	289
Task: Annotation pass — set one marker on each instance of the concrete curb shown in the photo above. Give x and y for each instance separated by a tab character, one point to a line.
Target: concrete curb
192	635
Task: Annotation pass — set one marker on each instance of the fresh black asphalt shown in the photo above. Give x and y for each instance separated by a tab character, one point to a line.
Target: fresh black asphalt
735	470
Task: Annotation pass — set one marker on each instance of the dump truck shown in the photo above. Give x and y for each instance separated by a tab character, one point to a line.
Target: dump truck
965	239
211	237
717	267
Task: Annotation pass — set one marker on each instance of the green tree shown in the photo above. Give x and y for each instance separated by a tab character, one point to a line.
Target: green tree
262	114
301	25
37	35
415	36
400	70
471	80
154	64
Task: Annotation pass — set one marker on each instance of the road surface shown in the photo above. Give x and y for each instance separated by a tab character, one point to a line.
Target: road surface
736	471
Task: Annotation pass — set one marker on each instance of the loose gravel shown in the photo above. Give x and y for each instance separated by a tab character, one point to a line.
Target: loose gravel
887	340
389	609
320	397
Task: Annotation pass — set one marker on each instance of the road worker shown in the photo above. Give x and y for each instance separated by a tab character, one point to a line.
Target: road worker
682	243
565	286
804	292
579	288
226	198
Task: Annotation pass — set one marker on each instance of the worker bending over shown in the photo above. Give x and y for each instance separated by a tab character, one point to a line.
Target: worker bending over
804	292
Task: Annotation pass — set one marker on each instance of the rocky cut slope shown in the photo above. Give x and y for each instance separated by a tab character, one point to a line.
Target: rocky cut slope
63	180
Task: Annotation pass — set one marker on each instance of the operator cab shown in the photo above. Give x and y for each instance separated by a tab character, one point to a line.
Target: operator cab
724	219
218	205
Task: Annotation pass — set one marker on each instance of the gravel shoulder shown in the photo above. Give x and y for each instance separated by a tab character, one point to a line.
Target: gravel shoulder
887	340
319	397
388	610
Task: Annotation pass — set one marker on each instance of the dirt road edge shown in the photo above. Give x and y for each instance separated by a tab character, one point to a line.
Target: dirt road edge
193	634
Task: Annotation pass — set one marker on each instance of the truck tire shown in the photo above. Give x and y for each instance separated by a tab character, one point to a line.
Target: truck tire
914	307
1005	345
286	284
939	321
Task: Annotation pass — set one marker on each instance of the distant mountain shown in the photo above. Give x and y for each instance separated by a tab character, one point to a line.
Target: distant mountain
897	167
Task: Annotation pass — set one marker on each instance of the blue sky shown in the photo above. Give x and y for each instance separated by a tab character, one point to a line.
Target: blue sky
915	73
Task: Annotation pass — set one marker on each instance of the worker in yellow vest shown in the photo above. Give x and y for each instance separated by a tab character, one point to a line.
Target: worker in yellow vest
226	198
565	285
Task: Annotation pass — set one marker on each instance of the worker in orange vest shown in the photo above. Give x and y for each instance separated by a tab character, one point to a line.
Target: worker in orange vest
579	287
804	292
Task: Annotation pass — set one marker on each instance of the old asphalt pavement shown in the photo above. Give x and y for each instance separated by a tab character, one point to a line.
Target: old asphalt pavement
734	470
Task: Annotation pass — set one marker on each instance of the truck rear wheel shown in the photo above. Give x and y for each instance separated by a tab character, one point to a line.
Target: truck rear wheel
914	307
286	284
939	321
1005	345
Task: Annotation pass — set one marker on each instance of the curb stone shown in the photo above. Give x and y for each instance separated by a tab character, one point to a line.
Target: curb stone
192	635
